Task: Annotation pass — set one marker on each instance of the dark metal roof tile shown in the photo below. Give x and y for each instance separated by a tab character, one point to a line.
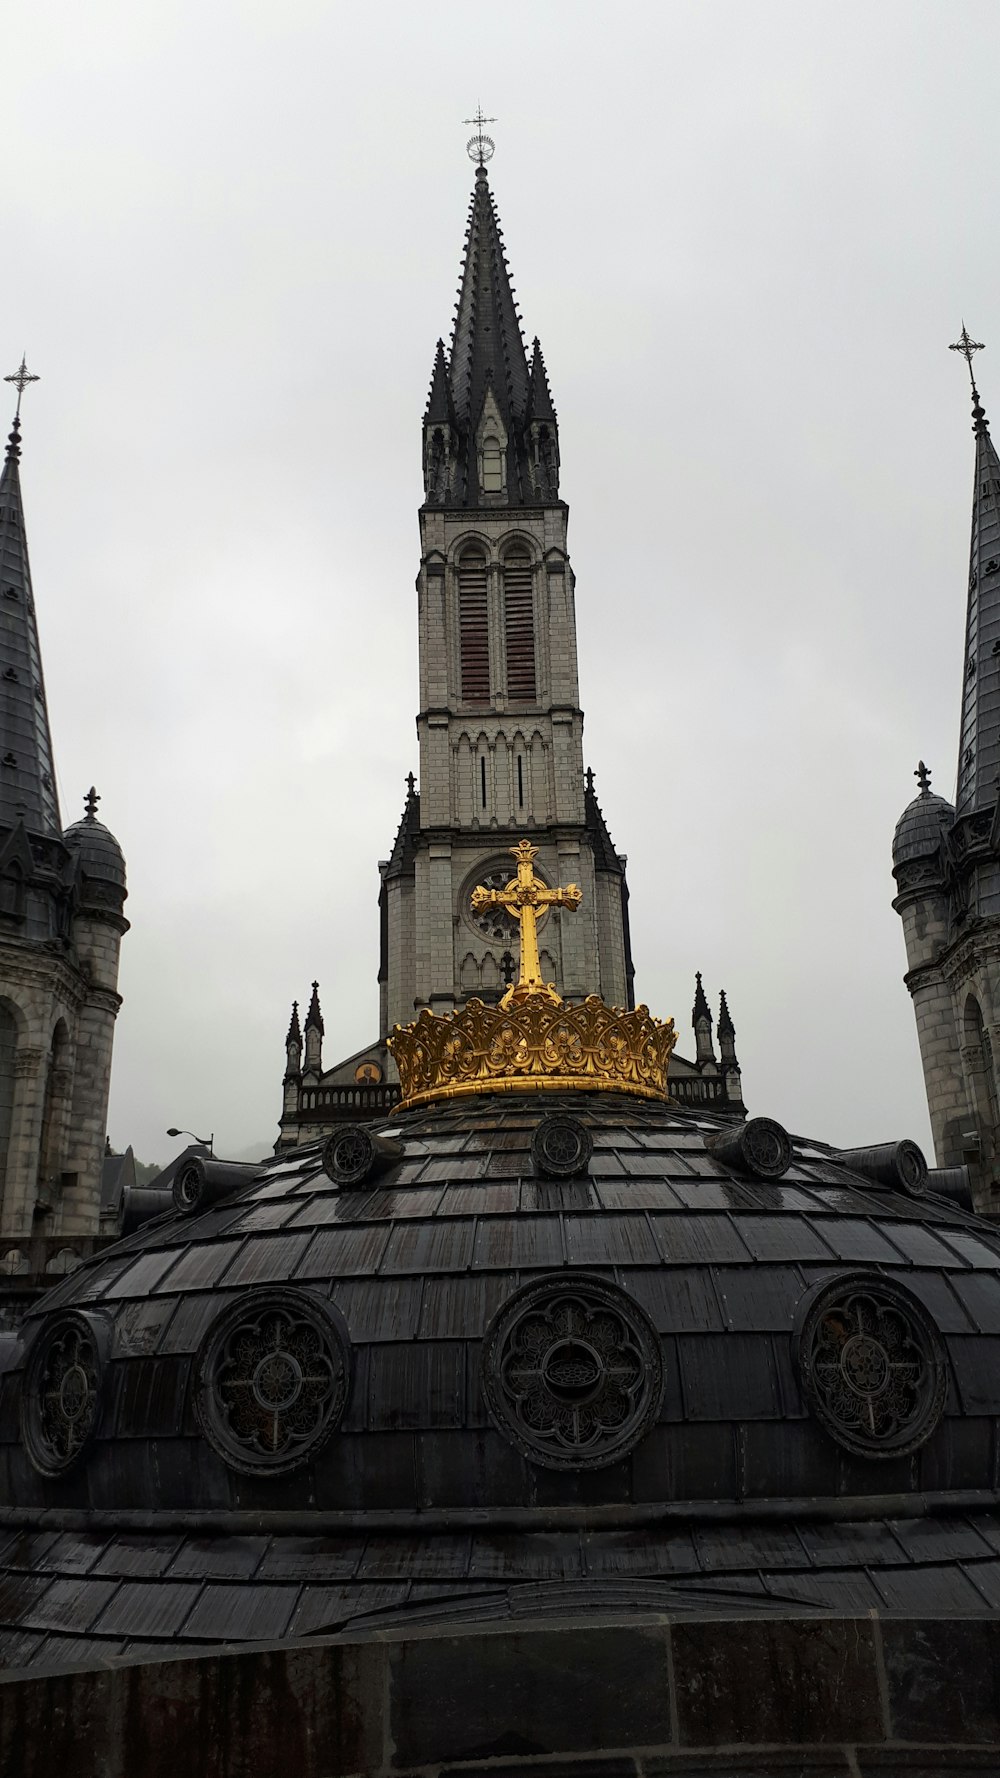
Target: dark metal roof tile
265	1258
681	1300
71	1604
624	1240
686	1240
344	1252
781	1237
148	1608
389	1309
441	1246
253	1612
505	1243
416	1386
202	1557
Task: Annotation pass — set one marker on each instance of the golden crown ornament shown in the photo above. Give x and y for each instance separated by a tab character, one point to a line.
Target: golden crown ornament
533	1041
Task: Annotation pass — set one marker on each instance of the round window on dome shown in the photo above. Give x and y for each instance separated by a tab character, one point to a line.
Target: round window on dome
272	1381
872	1365
62	1395
572	1372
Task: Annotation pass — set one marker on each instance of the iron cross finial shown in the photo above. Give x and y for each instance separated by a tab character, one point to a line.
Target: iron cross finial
967	347
411	783
90	803
480	147
508	968
21	377
923	777
526	896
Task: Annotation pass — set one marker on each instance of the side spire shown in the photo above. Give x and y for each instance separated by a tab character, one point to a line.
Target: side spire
314	1018
27	775
979	741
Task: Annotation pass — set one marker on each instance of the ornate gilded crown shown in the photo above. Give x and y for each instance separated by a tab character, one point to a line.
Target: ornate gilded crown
533	1041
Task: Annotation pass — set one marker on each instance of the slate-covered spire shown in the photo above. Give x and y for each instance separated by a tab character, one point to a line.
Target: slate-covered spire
487	331
294	1028
314	1037
979	744
487	373
27	777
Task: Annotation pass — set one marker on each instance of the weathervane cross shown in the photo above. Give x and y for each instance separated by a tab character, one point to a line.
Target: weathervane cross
21	377
480	147
525	897
967	346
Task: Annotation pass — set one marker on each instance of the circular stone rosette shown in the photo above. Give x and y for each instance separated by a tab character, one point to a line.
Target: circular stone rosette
572	1372
62	1394
872	1366
272	1381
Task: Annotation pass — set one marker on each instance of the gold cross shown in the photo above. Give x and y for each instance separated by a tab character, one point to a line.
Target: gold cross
525	897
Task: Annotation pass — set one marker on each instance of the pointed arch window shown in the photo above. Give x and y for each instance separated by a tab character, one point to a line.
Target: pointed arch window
519	625
473	628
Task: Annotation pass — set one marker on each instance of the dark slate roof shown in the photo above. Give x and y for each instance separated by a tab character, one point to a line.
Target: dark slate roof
486	344
27	776
735	1499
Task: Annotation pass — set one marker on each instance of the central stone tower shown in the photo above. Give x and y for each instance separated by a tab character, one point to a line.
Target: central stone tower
500	725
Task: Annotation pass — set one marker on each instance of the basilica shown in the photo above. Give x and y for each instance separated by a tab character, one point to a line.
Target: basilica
532	1412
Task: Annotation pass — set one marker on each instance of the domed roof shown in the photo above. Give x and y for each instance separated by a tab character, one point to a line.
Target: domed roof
920	827
497	1355
99	852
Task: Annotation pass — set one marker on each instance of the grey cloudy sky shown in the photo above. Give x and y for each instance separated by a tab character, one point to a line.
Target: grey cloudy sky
746	233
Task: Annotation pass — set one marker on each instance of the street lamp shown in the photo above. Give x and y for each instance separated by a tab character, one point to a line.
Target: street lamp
206	1142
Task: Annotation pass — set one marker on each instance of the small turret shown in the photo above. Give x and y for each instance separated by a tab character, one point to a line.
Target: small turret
701	1019
314	1037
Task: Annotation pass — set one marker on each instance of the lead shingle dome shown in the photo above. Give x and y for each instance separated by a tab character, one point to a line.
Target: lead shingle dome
100	855
463	1388
921	827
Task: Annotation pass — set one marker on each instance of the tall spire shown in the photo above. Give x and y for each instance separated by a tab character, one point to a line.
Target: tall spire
979	743
27	776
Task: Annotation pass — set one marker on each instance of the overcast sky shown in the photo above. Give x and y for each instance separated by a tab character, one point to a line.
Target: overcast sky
746	234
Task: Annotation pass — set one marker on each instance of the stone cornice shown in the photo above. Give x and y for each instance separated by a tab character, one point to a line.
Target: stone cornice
29	965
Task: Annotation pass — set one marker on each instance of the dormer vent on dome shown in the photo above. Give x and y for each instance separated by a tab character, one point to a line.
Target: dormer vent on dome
533	1041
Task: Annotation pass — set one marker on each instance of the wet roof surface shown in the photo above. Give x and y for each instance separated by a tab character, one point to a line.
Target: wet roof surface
416	1266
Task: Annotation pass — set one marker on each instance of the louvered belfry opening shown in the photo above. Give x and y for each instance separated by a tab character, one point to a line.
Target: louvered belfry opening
473	628
519	624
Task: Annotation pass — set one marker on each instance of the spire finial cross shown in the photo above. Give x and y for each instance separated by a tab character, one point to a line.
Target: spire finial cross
21	377
967	347
923	777
480	147
411	784
526	897
90	803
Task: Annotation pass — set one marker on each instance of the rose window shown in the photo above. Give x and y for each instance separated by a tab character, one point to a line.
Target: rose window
495	923
62	1396
572	1373
872	1364
273	1381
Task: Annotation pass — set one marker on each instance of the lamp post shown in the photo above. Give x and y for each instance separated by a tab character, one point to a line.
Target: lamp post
206	1141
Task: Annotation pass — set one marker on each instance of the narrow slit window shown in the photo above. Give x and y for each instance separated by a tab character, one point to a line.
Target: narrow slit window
520	782
519	624
482	780
473	628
